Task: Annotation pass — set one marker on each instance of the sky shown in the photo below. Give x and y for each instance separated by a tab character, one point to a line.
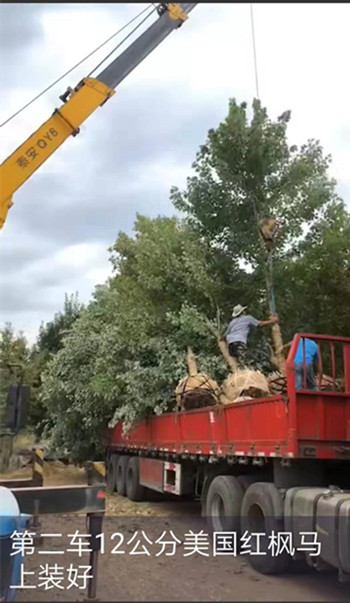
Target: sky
143	141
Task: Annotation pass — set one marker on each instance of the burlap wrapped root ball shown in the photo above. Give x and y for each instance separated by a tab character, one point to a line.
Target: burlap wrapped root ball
244	384
196	391
277	383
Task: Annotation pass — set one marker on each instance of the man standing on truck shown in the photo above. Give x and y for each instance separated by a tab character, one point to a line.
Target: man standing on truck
311	354
238	330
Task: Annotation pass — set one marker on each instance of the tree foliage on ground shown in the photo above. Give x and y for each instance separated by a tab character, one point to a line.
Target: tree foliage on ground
126	352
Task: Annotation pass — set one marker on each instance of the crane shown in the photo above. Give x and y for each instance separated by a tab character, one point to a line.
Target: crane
80	102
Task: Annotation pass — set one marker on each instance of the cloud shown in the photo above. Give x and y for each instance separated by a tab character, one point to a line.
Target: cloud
143	141
20	26
41	283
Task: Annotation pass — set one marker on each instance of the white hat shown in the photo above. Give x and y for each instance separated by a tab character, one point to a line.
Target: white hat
237	310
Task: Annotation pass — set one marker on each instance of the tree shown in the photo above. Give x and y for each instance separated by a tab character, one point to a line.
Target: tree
318	270
246	170
124	352
13	346
14	361
51	334
48	343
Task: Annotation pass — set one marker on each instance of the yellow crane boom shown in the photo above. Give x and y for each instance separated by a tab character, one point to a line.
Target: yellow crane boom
80	103
64	122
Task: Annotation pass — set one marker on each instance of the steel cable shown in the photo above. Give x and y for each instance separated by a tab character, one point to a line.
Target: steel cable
85	58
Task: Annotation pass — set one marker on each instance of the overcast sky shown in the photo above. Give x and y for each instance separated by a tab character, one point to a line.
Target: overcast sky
143	141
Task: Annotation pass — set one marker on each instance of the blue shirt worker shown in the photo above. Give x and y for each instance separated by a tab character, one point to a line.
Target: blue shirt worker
238	330
311	354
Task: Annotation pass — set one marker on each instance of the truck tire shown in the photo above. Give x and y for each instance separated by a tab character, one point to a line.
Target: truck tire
262	511
134	490
223	504
111	482
121	475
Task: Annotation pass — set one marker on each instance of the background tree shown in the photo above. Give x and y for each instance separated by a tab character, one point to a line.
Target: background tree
14	350
127	350
48	343
314	279
51	334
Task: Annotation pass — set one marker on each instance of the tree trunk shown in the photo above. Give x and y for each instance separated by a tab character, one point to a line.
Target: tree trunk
278	344
191	363
266	245
232	363
276	330
223	348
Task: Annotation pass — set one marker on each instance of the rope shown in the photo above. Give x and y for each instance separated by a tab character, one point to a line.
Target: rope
77	64
204	391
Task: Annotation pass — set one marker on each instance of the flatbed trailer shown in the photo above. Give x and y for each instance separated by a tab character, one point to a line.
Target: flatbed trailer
277	463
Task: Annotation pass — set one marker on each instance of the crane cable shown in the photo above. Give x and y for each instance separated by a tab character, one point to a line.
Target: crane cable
124	40
268	268
85	58
268	271
254	51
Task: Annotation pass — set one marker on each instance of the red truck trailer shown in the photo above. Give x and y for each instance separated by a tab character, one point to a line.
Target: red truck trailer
275	464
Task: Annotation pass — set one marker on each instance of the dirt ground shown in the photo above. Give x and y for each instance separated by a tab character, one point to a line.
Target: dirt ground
142	577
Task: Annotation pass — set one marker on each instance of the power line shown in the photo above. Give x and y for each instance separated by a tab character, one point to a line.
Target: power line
82	61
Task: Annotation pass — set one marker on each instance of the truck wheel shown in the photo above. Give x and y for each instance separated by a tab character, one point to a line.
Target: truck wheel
262	511
112	473
223	505
134	490
121	475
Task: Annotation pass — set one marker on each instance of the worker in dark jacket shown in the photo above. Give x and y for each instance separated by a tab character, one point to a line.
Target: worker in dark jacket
238	330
